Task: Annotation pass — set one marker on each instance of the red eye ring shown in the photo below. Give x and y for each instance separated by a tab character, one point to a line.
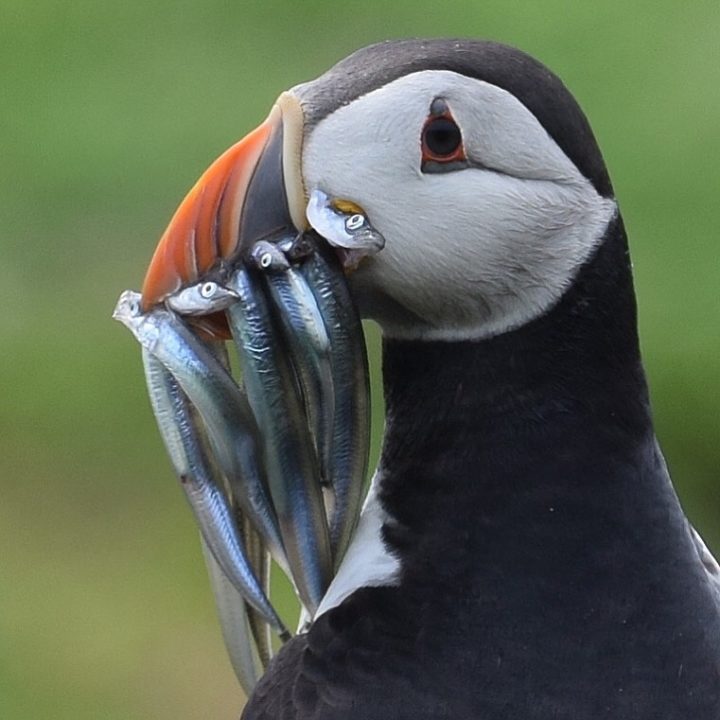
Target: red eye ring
441	137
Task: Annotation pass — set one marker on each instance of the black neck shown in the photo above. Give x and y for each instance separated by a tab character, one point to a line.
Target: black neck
546	569
493	431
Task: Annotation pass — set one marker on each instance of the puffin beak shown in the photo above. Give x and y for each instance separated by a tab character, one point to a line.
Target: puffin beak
253	191
300	345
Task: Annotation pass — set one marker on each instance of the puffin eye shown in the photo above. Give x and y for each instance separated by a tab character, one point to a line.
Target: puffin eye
441	139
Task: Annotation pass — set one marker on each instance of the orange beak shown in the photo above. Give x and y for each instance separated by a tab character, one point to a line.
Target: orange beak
253	191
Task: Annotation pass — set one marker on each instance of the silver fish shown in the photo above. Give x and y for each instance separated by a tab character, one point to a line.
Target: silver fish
183	440
202	298
348	357
352	232
233	614
307	341
292	467
231	427
227	599
260	560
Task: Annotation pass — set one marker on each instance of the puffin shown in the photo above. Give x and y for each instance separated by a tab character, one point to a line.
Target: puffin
522	553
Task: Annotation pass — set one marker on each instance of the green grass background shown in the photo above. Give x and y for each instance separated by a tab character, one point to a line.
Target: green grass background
108	113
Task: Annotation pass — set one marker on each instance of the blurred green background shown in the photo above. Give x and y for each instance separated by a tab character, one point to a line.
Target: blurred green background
109	113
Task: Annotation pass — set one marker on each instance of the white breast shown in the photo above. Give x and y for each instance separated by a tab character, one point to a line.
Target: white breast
368	562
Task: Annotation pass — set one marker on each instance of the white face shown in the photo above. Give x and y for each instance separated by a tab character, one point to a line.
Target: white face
471	252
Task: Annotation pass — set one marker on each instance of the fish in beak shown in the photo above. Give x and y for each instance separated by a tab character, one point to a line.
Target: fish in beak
249	255
253	192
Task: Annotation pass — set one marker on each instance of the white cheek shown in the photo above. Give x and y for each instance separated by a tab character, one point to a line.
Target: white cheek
490	263
362	162
473	252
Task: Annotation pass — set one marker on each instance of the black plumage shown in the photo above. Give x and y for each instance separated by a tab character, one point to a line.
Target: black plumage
548	570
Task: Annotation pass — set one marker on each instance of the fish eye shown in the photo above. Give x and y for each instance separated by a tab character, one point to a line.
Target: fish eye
208	289
354	222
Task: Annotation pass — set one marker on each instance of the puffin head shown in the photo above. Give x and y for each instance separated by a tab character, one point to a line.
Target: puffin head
470	158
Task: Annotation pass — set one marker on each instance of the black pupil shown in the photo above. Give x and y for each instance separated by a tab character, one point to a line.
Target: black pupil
442	136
